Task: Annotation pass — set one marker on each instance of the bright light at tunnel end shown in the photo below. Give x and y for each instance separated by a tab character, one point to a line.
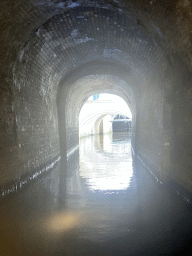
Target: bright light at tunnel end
113	181
101	176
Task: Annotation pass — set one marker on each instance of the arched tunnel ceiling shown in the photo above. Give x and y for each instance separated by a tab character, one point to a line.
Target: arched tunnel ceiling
95	84
84	34
81	41
47	46
70	35
21	19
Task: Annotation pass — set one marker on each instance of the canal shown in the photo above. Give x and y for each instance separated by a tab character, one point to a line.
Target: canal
107	204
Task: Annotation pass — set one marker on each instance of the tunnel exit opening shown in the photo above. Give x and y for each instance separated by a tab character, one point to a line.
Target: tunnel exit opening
105	158
76	98
103	114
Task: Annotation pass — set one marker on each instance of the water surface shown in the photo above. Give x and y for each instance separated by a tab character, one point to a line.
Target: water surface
107	204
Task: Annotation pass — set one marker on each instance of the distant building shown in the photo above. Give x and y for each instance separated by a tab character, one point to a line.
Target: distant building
121	123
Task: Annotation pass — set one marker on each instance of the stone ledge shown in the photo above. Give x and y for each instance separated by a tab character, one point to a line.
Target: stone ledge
11	188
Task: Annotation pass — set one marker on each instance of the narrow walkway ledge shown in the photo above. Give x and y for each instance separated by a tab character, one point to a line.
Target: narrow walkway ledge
10	189
72	151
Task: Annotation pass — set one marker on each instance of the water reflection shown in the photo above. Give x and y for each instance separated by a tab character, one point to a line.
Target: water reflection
74	214
106	163
99	189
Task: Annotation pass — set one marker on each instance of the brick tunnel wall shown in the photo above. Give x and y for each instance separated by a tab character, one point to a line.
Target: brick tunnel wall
45	42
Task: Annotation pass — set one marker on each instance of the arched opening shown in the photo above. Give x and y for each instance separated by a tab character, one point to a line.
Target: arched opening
105	159
73	98
96	115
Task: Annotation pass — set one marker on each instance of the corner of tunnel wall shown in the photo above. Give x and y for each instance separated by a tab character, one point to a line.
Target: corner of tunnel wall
177	137
163	128
9	148
149	127
32	146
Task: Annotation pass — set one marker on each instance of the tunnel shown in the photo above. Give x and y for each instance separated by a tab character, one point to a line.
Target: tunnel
55	54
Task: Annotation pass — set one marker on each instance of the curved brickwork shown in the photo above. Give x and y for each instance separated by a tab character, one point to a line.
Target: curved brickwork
47	46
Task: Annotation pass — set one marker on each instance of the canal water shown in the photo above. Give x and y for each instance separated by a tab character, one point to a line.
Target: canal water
105	203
